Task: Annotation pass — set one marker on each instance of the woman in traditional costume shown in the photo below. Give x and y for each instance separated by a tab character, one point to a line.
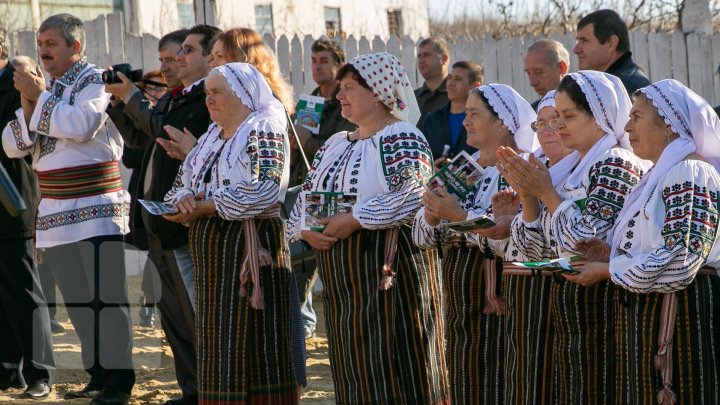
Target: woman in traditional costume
382	294
593	108
229	189
664	256
496	116
529	375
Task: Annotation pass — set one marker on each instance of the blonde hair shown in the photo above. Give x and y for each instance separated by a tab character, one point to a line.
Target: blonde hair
246	45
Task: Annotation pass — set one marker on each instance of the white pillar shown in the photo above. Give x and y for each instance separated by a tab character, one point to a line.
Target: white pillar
205	12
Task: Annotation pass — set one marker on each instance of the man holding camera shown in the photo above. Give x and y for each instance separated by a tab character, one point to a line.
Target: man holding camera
184	62
82	214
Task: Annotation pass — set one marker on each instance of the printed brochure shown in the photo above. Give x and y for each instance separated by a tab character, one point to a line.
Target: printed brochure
459	177
319	204
308	112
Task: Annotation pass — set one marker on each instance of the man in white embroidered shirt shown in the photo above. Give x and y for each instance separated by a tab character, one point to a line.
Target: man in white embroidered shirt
83	208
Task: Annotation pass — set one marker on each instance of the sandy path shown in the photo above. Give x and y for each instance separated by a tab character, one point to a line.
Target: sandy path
154	364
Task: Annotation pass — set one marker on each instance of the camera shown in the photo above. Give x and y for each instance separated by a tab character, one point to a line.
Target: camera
110	76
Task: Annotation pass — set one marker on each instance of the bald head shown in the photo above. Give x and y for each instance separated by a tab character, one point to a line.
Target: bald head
546	62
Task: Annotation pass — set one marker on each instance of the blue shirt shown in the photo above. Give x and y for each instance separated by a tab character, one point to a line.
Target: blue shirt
455	124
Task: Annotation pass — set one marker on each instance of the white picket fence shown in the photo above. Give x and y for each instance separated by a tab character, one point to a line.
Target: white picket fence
690	59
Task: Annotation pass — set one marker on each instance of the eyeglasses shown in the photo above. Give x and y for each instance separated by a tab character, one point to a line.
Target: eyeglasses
551	124
185	50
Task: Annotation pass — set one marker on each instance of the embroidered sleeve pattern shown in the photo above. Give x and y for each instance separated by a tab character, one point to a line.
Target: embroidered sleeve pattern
77	116
46	113
407	166
17	141
405	156
271	156
611	181
17	132
528	241
688	235
239	198
93	78
425	235
178	189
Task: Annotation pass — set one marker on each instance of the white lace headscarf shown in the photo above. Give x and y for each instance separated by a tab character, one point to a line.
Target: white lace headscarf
698	128
515	112
610	106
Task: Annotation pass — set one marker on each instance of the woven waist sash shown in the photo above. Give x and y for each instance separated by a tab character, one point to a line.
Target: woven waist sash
255	256
80	181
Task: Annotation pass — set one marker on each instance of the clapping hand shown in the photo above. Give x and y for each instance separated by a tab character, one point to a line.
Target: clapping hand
180	143
527	177
29	83
505	202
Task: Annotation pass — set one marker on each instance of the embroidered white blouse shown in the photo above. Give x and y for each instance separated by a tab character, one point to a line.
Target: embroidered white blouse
244	175
673	235
386	171
67	129
604	188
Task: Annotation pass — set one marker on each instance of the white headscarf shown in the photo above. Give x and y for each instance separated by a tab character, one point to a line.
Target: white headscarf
610	106
386	77
250	86
559	171
548	100
698	130
515	112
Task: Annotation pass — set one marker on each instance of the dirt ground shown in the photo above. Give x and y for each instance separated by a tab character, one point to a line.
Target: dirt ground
154	364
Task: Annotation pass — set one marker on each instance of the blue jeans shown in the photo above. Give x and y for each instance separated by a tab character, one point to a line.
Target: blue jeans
308	313
187	271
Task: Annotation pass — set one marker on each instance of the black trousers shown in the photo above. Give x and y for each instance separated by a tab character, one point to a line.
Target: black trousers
176	314
47	282
91	277
25	338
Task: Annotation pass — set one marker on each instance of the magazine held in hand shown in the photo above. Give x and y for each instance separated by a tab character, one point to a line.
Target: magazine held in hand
319	204
308	112
460	177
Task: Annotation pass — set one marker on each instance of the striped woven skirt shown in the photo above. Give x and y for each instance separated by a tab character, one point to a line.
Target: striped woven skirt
582	318
386	347
474	340
244	355
695	345
528	340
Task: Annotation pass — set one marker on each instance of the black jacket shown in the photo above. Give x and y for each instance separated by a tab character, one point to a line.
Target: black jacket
19	170
140	125
429	100
632	75
436	128
132	158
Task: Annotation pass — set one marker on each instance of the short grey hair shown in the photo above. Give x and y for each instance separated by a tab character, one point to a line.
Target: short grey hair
70	28
4	43
555	52
22	60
